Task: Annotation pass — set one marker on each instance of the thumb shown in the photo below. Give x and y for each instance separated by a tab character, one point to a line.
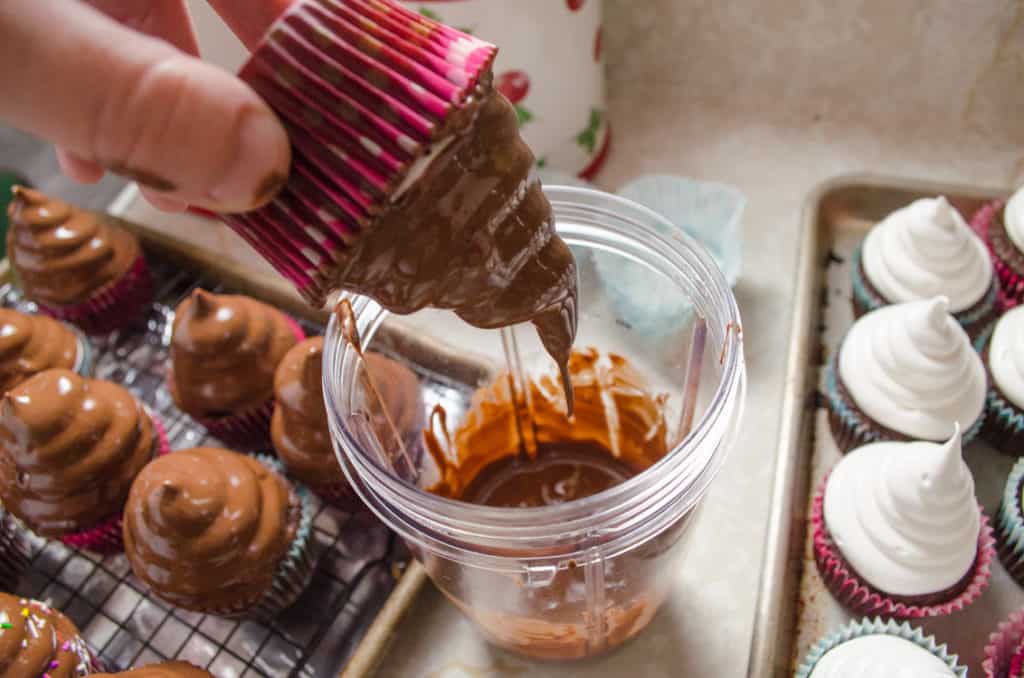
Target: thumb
138	106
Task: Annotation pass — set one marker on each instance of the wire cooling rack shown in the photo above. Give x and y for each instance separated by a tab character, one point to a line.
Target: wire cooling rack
360	559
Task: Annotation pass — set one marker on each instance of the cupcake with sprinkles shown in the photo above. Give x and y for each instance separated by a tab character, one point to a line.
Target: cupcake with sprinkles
905	372
77	266
919	252
880	649
37	641
1001	226
1003	354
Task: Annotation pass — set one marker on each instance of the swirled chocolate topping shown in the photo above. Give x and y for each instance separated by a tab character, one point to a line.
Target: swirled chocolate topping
62	254
224	351
175	669
69	450
471	231
30	344
205	528
538	455
37	640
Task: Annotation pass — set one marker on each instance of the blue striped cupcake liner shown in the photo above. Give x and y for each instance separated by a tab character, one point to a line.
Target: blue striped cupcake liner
1004	420
878	627
1010	525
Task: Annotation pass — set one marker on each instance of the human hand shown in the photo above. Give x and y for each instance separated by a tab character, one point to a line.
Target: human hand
117	86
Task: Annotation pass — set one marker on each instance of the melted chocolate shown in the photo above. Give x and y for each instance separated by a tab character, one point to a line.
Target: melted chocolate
69	450
30	344
473	233
175	669
224	351
62	254
205	528
38	640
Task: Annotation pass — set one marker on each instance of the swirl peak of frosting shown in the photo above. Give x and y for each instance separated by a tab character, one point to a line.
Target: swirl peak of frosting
926	249
1006	355
880	656
904	515
172	669
205	528
37	640
912	369
1013	218
62	254
224	351
30	344
69	450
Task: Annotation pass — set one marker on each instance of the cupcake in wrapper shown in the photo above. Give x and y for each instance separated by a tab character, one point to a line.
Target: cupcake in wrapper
880	648
218	532
1003	355
898	531
1010	524
1003	653
37	640
921	251
79	443
881	384
75	265
30	344
396	131
13	552
224	351
1000	224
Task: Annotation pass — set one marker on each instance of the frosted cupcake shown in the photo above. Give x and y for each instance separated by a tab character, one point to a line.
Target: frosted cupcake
880	649
898	531
1001	226
30	344
224	351
905	372
1010	524
174	669
69	450
1004	357
919	252
75	265
218	532
37	641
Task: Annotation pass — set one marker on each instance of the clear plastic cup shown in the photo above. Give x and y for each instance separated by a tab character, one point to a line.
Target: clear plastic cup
575	579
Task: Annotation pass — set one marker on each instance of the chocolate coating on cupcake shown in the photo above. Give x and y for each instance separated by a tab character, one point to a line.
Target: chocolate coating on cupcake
30	344
205	528
224	351
69	450
175	669
62	254
39	641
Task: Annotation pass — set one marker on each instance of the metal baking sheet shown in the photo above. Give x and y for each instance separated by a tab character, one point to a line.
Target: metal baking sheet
360	571
794	608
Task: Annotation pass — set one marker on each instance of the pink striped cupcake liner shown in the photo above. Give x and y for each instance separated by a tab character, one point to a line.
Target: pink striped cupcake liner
1011	283
247	430
112	307
1003	645
862	599
363	87
107	537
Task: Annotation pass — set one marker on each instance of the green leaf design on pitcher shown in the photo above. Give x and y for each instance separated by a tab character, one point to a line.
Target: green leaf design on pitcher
587	139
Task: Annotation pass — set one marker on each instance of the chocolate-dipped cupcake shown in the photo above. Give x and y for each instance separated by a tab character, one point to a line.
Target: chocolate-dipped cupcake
225	349
299	426
69	449
38	641
174	669
219	532
76	265
30	344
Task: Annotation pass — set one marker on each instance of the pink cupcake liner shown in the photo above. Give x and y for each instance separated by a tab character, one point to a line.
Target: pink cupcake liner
861	599
1003	645
112	307
107	536
364	87
1011	283
247	430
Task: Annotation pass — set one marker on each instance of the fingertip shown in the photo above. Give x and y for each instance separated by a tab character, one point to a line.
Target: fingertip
78	168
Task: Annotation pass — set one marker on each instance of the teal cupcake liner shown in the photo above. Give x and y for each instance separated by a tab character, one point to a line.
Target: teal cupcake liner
84	357
1010	525
1004	423
975	320
876	627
